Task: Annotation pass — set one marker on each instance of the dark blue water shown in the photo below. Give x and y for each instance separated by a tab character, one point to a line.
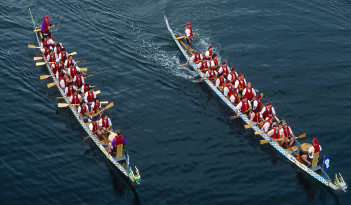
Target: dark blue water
188	152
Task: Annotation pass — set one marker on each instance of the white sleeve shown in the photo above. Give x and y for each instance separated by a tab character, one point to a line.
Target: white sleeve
212	63
41	46
254	92
87	108
42	50
201	56
86	97
255	103
91	126
320	148
48	57
220	70
78	69
55	49
263	110
79	109
225	91
245	82
100	122
71	98
270	133
207	74
266	126
192	58
232	98
75	79
198	66
66	90
73	62
66	62
187	32
248	101
94	94
82	79
217	82
291	132
207	54
229	76
82	88
238	107
236	85
273	111
62	84
109	122
244	92
50	41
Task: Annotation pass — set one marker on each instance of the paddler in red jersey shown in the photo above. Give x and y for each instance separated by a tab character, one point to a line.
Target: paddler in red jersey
214	62
276	134
255	117
234	96
83	110
188	34
232	76
45	25
308	157
96	107
69	89
227	89
244	106
211	75
94	127
257	103
78	80
220	82
203	66
208	54
89	97
119	139
52	57
105	124
288	134
224	69
74	99
268	109
196	58
68	61
63	55
249	92
240	84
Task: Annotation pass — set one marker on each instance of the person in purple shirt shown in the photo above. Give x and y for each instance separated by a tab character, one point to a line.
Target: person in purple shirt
118	139
45	25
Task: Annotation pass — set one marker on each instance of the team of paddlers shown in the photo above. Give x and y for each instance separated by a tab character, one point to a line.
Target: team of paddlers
81	95
241	94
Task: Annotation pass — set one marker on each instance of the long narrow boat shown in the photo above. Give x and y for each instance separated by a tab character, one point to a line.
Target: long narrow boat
317	172
117	162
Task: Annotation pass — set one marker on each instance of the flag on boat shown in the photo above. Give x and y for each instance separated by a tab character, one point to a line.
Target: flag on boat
326	162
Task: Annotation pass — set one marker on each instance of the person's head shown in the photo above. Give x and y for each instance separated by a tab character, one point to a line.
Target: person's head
118	132
269	105
273	120
233	70
47	18
214	56
70	84
228	82
224	64
276	127
315	141
210	48
71	65
82	103
244	98
78	73
47	46
188	24
58	45
63	49
70	57
241	76
75	92
256	110
52	51
90	90
62	75
259	96
43	39
96	100
104	116
249	84
221	76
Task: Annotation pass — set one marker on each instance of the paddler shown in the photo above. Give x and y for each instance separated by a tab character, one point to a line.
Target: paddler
224	69
119	139
203	66
196	58
96	107
268	123
93	126
234	96
211	75
255	117
188	34
58	49
105	123
63	55
288	134
308	157
69	89
268	109
74	99
78	80
240	83
208	54
68	61
214	62
257	103
62	81
74	69
244	106
232	76
220	82
89	97
227	89
249	92
83	110
52	57
45	25
276	134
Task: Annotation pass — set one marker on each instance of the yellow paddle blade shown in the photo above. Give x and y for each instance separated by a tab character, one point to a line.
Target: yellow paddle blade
73	53
81	61
86	138
37	58
58	98
108	106
104	102
179	38
45	77
233	117
84	69
264	141
63	105
51	84
259	132
32	46
247	126
302	135
261	94
37	30
97	92
89	76
40	63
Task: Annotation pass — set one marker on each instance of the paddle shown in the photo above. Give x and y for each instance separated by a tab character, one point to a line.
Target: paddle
64	104
42	63
179	38
89	76
42	77
51	84
259	132
32	46
266	141
81	61
234	117
37	30
186	64
97	92
39	58
107	107
248	126
84	69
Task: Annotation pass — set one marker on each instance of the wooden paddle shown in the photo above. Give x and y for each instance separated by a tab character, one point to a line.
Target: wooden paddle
186	64
51	84
89	76
259	132
39	58
248	126
42	63
266	141
42	77
37	30
107	107
179	38
65	104
81	61
84	69
32	46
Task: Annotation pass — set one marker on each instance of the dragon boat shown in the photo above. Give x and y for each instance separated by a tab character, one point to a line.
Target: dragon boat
121	159
315	171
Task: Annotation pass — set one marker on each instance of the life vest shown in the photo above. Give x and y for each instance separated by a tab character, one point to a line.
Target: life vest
267	112
191	32
73	71
286	131
47	51
256	117
51	45
95	126
216	63
90	97
233	76
119	140
105	123
316	149
267	120
86	88
63	56
210	56
236	96
241	84
225	71
83	109
58	50
44	44
244	106
96	107
230	92
69	91
259	102
55	67
275	134
52	58
249	95
64	80
221	81
203	66
79	80
197	57
69	63
46	27
212	75
75	99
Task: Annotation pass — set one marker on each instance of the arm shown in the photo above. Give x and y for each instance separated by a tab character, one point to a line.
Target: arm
237	108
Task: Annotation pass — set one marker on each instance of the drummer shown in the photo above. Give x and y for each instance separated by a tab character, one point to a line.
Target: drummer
308	156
